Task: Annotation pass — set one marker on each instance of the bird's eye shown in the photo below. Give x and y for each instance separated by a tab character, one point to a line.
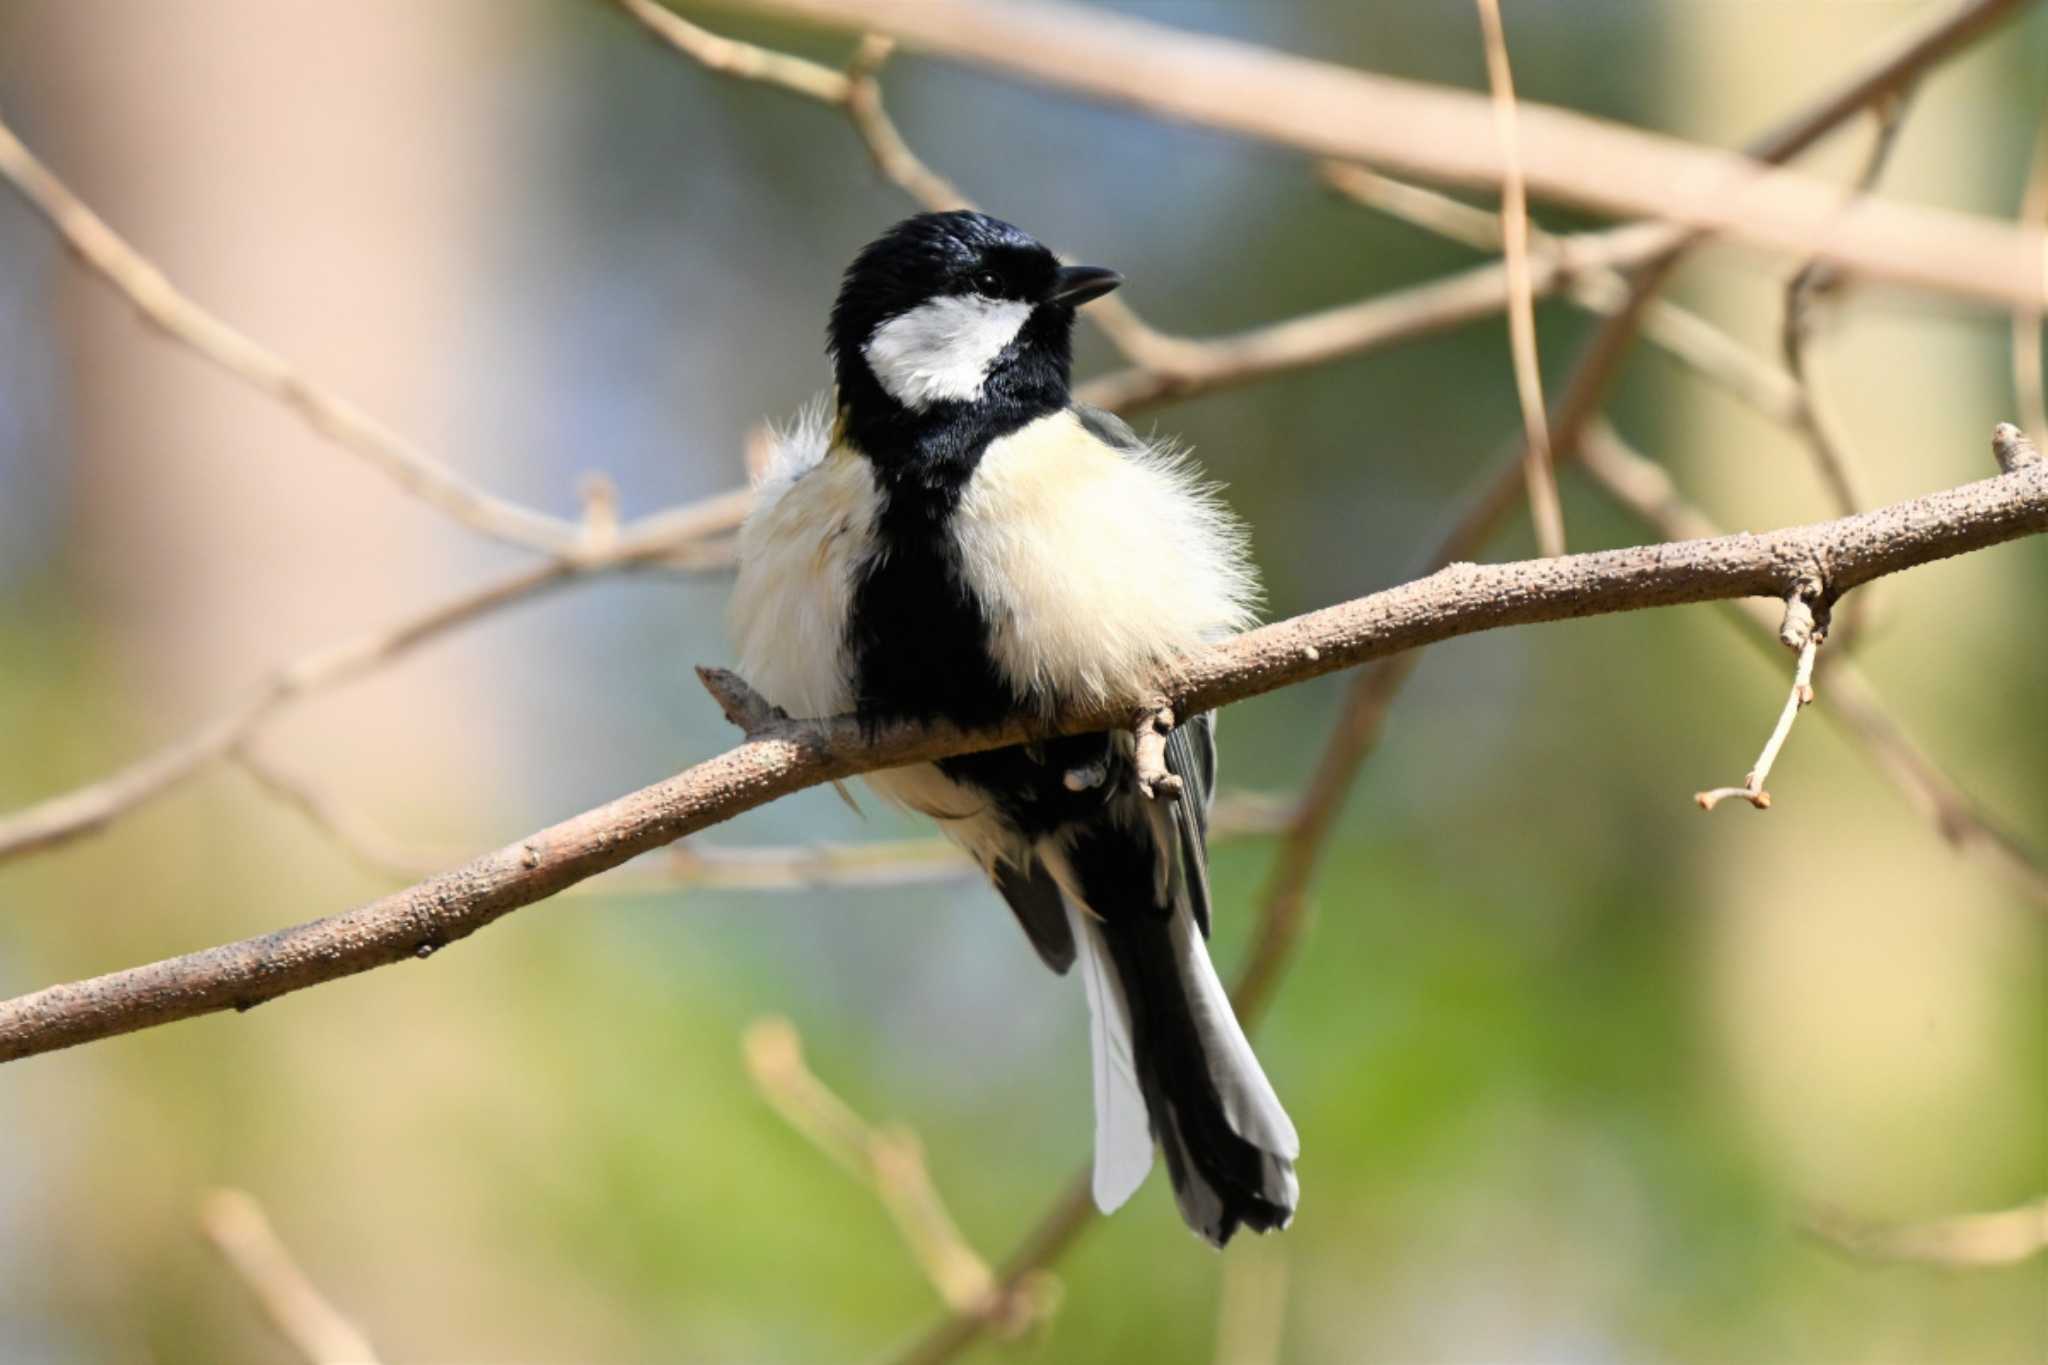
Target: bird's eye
988	282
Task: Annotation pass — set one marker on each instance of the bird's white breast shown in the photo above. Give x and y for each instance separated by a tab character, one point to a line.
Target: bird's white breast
1096	564
811	528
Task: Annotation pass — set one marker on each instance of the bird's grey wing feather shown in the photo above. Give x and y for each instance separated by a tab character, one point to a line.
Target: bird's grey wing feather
1035	898
1191	756
1108	428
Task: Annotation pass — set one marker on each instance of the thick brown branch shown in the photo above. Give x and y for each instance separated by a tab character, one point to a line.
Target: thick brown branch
784	757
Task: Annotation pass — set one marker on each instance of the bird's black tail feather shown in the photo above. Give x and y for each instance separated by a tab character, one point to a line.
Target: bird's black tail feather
1229	1147
1220	1178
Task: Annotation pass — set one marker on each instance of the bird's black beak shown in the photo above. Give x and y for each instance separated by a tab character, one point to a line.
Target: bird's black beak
1077	284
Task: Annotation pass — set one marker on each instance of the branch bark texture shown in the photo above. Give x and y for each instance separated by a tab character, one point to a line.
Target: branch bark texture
781	756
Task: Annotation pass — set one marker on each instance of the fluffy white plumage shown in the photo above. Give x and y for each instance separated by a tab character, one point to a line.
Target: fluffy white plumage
1096	565
799	553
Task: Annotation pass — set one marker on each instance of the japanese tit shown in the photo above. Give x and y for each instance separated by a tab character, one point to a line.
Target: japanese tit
955	537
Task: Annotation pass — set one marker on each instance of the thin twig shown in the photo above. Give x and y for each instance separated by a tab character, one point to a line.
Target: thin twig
1545	509
1803	633
1686	336
681	536
327	413
857	92
1642	487
234	1223
1966	1241
1809	286
2027	376
890	1161
746	61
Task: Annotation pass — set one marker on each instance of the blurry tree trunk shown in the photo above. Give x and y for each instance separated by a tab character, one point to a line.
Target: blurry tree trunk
1851	1096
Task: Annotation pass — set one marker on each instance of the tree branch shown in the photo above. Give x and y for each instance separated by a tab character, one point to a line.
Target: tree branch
327	413
1446	134
1641	486
890	1161
317	1332
781	756
1539	474
681	535
1685	336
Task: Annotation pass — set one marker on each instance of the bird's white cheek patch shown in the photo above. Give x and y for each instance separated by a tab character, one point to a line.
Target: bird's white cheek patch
942	350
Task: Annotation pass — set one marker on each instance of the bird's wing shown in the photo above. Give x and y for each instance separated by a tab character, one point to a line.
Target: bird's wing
1035	898
1123	1127
1191	756
1108	428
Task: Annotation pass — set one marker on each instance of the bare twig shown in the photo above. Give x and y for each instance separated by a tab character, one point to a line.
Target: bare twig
1967	1241
1641	486
1809	286
234	1223
743	60
1804	634
783	757
1684	335
680	536
329	414
890	1161
1191	368
1448	135
857	92
1545	510
2027	377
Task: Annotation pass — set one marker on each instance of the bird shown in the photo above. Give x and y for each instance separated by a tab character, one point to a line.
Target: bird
948	535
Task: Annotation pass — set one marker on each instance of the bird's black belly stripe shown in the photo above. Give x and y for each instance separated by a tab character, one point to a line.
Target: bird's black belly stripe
919	638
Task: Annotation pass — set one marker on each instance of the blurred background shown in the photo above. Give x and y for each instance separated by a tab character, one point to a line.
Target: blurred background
1572	1062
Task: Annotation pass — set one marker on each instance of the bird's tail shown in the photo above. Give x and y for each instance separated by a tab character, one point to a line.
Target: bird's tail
1172	1064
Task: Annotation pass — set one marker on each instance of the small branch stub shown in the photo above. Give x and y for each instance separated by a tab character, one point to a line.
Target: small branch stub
743	706
2013	450
1150	729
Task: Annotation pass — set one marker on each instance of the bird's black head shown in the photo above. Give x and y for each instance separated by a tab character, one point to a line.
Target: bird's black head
952	317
